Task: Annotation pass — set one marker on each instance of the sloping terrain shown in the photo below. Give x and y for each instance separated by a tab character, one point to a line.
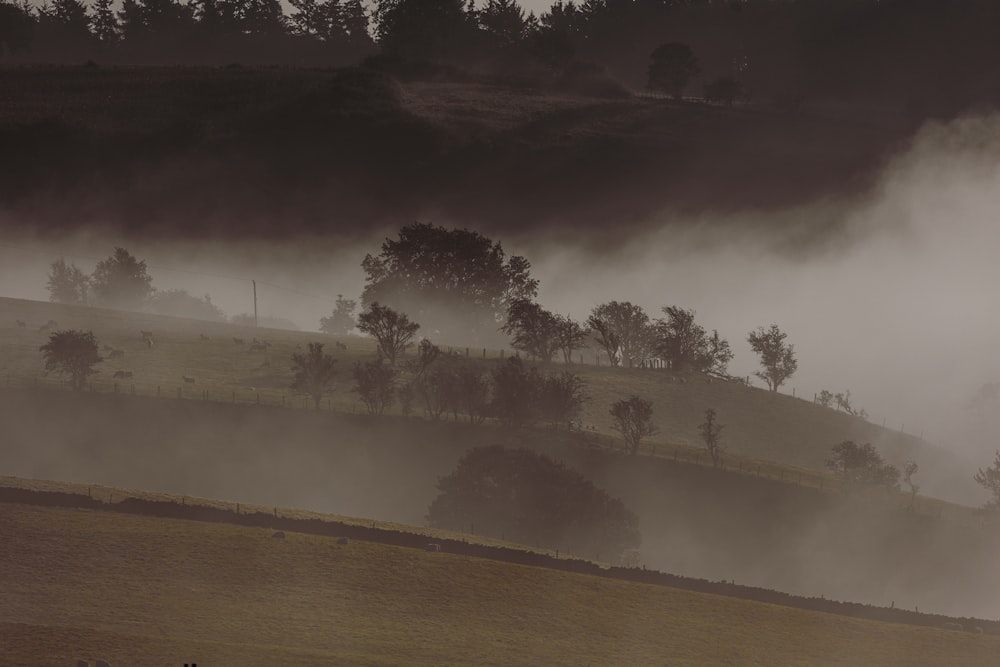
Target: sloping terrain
82	584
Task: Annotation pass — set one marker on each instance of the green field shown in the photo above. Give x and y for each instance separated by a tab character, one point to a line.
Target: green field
132	590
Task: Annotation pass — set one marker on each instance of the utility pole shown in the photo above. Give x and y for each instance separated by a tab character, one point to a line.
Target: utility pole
254	303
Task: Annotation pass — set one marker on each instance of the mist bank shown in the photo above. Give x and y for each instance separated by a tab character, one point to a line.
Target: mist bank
695	521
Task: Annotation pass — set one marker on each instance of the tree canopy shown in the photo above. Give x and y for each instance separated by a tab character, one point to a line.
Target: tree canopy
777	358
623	330
121	281
526	497
72	353
861	465
392	330
457	283
314	371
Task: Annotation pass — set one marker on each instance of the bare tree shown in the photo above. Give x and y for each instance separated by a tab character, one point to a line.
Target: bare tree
72	353
711	433
989	479
777	358
375	384
570	335
392	330
314	372
634	420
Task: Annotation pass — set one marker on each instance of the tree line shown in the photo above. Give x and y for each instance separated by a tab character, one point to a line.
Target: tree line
927	56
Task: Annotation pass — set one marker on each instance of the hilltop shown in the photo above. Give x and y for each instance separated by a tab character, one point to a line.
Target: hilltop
274	152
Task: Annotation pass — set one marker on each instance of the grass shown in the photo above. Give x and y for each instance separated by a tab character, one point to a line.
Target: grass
136	590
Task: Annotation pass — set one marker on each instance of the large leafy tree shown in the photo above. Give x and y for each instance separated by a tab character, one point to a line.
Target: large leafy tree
533	329
67	283
72	353
777	358
341	321
861	465
687	345
623	330
673	66
527	497
516	390
457	283
420	30
121	281
314	371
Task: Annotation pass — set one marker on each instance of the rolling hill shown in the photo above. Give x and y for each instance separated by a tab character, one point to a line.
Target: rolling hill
85	584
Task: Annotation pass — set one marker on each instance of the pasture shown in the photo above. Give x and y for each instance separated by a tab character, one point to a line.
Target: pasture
81	584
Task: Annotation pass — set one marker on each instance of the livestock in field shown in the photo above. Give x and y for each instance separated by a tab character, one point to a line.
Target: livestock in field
432	547
238	341
203	337
341	346
279	535
145	334
188	379
22	324
122	375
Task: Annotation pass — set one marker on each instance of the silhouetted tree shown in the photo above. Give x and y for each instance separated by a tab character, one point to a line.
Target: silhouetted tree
711	434
687	345
473	392
375	383
861	465
314	371
67	283
341	321
725	90
104	24
423	30
825	398
559	34
910	469
515	392
989	479
534	329
673	66
72	353
504	22
456	282
634	420
121	281
561	397
17	29
392	331
527	497
623	330
570	335
776	357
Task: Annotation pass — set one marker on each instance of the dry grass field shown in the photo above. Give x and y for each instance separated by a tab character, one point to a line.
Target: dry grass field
133	590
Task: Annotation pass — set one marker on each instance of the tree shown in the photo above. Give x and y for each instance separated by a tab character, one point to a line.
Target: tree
17	27
910	469
72	352
455	282
314	371
825	398
634	420
561	397
504	22
711	433
104	23
776	358
989	479
861	465
180	303
686	344
622	329
724	90
121	281
392	330
570	336
673	66
341	321
515	392
67	283
424	30
526	497
534	329
473	392
375	384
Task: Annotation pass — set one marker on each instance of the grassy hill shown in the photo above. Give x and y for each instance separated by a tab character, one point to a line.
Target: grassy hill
82	584
341	151
762	428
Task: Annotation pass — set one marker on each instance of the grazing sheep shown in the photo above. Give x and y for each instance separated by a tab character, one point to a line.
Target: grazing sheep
432	547
279	535
203	337
188	379
341	346
238	341
341	540
122	375
145	334
116	354
22	324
